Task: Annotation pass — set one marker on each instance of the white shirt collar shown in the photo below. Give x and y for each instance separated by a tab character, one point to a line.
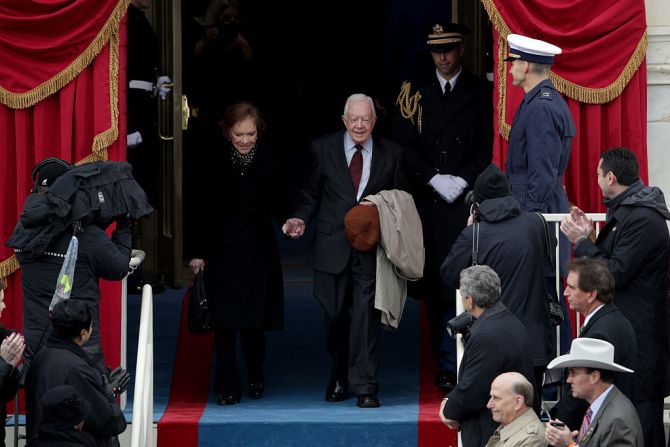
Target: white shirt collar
596	404
593	312
451	81
349	143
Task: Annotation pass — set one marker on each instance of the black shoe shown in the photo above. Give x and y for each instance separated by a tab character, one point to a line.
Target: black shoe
336	391
229	399
256	389
445	381
367	401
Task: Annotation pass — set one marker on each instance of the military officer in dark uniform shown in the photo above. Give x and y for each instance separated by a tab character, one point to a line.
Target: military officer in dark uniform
444	125
539	144
542	131
144	83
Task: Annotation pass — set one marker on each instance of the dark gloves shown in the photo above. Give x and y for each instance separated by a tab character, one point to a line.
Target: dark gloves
117	382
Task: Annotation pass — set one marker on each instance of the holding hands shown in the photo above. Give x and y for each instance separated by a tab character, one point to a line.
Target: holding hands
196	265
576	226
293	227
12	349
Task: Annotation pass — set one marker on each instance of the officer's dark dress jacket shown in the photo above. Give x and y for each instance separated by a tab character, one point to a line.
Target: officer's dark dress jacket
445	135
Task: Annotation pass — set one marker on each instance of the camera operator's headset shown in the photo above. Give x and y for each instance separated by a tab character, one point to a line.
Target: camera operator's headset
47	161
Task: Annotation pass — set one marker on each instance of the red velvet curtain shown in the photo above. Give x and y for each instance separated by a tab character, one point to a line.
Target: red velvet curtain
601	72
62	95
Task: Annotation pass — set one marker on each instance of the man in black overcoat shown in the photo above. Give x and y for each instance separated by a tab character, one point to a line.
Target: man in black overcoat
635	244
444	125
498	343
589	291
516	245
347	166
63	362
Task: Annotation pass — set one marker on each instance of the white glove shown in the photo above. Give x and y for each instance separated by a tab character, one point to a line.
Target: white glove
133	139
162	89
449	187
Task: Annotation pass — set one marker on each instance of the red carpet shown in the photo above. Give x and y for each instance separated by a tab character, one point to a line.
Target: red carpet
190	387
189	392
432	432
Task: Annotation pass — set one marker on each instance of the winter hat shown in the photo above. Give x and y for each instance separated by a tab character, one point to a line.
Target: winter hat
491	183
48	170
63	407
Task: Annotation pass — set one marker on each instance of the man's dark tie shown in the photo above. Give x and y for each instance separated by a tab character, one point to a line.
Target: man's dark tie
356	168
447	89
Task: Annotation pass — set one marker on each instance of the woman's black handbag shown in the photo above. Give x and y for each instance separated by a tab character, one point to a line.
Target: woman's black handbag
199	318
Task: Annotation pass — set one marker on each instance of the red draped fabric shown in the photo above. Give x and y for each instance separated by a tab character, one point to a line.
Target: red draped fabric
61	95
601	72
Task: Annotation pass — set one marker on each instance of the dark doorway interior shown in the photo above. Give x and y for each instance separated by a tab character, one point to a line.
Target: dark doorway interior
308	57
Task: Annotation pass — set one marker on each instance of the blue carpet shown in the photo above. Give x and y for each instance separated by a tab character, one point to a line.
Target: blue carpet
293	410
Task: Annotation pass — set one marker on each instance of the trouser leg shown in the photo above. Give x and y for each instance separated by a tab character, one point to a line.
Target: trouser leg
334	294
438	313
226	378
253	346
650	413
364	332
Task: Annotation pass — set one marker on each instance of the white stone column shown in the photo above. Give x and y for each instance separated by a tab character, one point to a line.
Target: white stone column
658	93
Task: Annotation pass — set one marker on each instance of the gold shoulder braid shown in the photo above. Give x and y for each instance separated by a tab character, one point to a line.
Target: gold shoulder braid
409	104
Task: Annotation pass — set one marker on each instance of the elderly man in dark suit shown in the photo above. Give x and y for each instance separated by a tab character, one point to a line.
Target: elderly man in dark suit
589	291
498	343
347	166
444	124
611	419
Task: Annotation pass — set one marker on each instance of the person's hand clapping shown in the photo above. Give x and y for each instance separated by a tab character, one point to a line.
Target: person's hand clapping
11	349
576	226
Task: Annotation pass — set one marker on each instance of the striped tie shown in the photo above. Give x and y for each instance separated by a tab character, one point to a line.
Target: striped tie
585	424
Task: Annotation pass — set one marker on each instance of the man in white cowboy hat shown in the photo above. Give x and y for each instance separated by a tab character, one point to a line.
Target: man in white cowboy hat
611	418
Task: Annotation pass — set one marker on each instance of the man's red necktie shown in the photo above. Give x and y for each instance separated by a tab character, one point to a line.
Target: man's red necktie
356	168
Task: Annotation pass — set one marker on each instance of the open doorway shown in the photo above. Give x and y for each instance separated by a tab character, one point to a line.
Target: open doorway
307	58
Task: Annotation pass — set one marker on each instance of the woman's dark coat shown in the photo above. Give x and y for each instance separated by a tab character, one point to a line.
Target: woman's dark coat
243	272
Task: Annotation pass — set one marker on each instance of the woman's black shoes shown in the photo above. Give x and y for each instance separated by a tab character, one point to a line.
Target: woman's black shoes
256	389
229	399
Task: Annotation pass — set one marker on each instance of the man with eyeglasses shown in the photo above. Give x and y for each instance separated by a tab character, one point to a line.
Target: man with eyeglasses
444	124
347	166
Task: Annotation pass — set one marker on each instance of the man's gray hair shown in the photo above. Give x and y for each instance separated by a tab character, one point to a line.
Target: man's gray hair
360	97
482	283
524	388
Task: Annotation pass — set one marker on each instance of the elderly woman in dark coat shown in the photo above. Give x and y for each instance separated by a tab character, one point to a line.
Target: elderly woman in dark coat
240	255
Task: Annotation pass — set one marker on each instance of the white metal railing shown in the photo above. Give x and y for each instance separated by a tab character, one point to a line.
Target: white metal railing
554	219
136	258
143	400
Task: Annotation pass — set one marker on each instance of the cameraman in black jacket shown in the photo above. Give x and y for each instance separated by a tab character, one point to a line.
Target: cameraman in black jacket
514	244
